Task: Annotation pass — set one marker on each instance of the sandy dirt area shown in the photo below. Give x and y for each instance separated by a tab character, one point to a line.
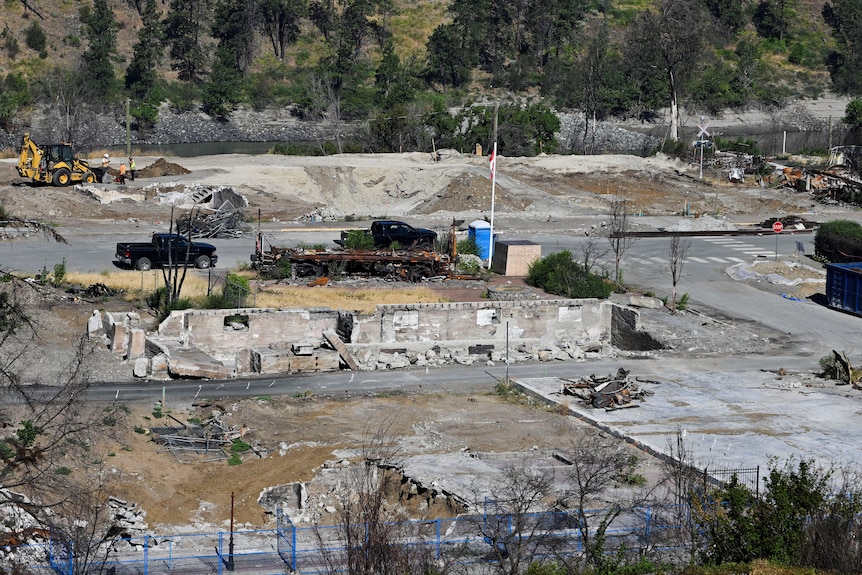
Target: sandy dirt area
298	435
413	184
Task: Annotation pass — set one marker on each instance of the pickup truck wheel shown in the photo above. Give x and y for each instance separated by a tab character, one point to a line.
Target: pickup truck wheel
62	177
203	262
144	264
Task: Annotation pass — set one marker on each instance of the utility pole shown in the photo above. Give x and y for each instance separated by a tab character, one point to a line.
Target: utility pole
128	128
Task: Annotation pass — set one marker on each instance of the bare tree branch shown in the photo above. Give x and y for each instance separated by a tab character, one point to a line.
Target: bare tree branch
619	234
677	252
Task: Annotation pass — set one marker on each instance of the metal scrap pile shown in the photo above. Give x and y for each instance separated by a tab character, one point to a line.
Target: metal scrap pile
226	222
840	182
191	443
616	391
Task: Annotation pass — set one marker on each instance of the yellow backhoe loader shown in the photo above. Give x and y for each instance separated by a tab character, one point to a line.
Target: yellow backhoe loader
54	164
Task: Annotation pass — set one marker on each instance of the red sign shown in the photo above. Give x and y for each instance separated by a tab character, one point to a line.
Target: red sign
777	227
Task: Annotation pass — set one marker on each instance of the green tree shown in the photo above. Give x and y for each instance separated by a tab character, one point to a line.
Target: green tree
670	39
14	94
223	90
233	27
845	62
142	72
451	57
323	15
186	30
394	82
730	14
772	19
100	29
853	113
281	20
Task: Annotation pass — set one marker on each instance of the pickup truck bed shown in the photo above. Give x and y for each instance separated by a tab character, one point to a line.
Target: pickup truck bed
387	232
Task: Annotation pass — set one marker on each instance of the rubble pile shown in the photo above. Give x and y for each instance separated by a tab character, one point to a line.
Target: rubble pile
321	214
21	534
226	222
616	391
128	521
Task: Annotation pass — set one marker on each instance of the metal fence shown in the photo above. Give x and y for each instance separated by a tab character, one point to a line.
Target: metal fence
746	476
469	539
319	549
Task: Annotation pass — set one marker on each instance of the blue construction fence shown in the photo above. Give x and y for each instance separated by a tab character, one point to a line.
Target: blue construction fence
477	538
315	549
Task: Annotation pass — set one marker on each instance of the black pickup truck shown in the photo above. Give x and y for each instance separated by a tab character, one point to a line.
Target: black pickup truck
165	249
387	232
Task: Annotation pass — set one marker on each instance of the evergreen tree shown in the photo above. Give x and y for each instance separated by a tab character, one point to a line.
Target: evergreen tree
223	91
845	18
322	14
186	26
280	20
100	30
233	27
142	74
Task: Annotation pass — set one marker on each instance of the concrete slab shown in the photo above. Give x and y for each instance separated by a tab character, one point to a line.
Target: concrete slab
733	419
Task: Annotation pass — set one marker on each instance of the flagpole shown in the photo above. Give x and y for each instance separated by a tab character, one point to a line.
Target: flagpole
493	189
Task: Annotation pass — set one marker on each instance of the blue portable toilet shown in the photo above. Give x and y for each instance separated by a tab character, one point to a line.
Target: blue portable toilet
480	232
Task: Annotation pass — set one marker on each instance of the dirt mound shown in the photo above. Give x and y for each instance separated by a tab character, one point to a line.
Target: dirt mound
161	167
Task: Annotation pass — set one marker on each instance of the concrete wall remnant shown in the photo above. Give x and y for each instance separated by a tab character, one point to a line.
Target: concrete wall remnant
227	343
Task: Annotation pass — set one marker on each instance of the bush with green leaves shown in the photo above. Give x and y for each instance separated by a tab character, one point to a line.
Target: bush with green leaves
59	273
853	113
36	39
358	240
839	241
560	274
799	520
236	290
740	144
158	301
468	246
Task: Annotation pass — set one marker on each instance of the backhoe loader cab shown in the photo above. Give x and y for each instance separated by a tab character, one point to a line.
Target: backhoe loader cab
52	164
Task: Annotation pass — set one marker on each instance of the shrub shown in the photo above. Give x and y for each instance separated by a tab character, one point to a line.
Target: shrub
740	144
839	241
358	240
239	446
59	273
560	274
35	38
236	290
468	246
853	113
158	299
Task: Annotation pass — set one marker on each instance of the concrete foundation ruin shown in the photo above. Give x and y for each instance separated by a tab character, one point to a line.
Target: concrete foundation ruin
229	343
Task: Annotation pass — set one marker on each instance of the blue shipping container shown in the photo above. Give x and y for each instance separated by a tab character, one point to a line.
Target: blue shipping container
844	287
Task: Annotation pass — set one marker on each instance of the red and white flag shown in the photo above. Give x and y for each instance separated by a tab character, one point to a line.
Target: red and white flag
492	159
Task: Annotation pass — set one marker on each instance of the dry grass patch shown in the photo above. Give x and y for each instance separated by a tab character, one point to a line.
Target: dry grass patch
138	285
362	300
